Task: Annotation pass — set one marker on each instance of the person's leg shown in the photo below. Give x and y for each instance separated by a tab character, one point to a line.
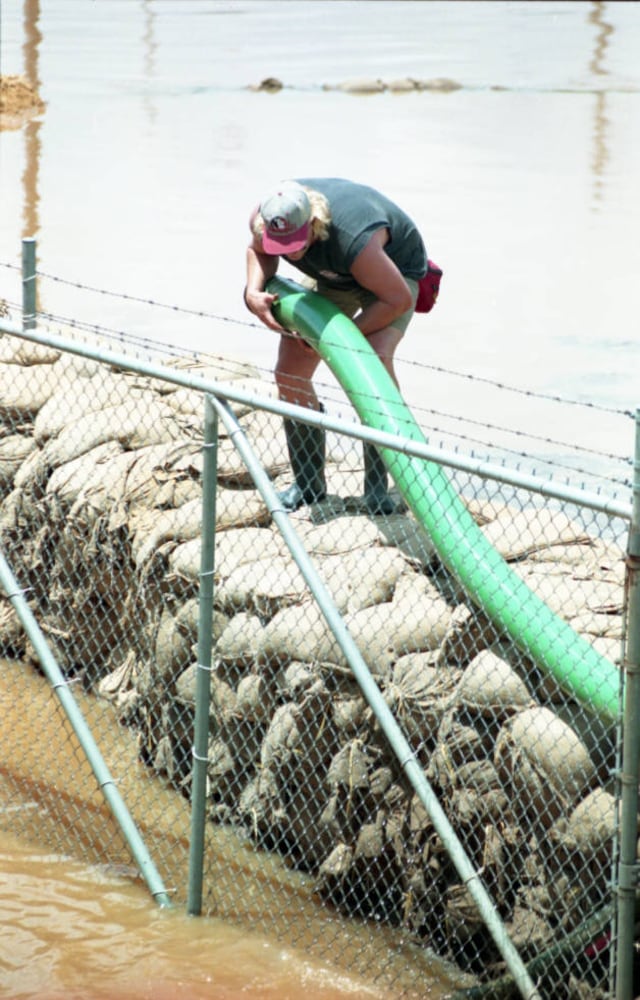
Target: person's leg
376	479
295	367
297	363
384	343
306	445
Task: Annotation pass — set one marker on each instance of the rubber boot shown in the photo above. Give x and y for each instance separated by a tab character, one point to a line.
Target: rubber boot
306	446
376	482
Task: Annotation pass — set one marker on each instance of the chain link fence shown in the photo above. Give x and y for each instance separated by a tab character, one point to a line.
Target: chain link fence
313	831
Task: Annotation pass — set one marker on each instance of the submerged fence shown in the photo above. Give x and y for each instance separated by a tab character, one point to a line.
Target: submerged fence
217	647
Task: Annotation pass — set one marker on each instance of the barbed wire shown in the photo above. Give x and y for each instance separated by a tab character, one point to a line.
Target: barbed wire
166	348
439	369
425	415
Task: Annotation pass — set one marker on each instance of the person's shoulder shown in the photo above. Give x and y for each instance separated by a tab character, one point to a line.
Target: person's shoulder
324	181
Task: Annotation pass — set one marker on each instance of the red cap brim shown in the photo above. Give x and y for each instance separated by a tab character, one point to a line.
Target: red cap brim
285	243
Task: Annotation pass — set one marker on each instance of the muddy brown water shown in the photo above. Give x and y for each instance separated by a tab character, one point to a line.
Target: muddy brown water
76	931
76	927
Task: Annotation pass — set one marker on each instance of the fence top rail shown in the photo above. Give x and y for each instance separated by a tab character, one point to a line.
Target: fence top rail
596	501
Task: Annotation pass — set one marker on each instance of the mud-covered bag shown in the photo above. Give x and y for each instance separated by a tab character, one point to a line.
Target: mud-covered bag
428	288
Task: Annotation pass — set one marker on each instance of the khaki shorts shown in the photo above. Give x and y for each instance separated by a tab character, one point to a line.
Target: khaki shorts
353	300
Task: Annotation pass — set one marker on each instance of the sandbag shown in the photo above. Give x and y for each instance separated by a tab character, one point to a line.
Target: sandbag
101	494
263	586
570	597
405	534
419	694
516	533
68	481
136	423
239	641
232	471
593	822
385	632
490	685
157	468
372	575
171	649
341	534
14	450
294	633
24	391
544	763
232	548
74	398
152	528
14	351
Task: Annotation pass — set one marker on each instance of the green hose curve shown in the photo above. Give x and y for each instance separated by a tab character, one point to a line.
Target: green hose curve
489	581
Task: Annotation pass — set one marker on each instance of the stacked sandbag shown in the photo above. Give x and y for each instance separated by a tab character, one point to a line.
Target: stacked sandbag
103	476
299	759
101	518
576	858
28	376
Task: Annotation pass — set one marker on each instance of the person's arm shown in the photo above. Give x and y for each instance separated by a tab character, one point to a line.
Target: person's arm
260	267
375	271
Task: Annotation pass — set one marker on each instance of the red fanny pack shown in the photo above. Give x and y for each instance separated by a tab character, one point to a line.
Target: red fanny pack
428	288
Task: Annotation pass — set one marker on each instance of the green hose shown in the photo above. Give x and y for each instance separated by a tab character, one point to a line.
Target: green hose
513	608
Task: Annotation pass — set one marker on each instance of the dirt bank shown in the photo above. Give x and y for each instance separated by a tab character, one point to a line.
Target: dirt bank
19	101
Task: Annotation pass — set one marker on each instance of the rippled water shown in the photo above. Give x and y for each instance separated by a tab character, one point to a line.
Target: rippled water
78	932
71	925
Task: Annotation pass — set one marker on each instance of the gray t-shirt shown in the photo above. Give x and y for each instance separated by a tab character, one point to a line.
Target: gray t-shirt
357	211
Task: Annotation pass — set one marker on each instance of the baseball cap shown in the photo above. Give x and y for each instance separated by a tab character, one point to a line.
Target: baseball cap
286	214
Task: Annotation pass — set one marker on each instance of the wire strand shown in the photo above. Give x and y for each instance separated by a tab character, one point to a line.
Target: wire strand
430	418
204	314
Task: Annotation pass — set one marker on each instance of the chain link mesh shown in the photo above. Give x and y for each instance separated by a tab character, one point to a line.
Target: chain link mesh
313	833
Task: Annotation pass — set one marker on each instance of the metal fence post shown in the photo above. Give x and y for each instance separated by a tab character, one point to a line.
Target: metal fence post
397	741
101	772
627	868
28	283
203	677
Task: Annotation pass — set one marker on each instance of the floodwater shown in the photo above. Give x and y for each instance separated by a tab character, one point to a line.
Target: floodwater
72	931
77	921
137	182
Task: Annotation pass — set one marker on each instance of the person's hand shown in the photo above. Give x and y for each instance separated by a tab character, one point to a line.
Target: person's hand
260	303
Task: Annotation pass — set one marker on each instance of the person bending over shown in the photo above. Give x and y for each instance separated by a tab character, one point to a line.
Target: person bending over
364	254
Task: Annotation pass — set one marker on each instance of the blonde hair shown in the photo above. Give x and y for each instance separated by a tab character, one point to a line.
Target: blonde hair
320	216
